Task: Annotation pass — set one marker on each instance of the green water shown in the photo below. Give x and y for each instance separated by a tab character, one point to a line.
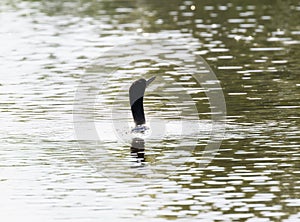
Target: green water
64	157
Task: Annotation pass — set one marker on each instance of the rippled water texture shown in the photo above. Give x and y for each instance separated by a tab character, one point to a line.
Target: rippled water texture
66	151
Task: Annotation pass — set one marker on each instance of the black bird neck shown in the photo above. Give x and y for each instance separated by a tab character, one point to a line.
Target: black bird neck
136	94
137	110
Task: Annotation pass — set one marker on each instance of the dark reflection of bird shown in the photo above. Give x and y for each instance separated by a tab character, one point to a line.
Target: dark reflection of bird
138	149
136	96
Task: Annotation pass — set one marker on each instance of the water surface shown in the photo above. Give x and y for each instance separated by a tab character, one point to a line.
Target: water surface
52	50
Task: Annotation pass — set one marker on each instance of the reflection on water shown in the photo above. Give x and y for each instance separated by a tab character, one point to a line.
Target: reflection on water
138	150
47	47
